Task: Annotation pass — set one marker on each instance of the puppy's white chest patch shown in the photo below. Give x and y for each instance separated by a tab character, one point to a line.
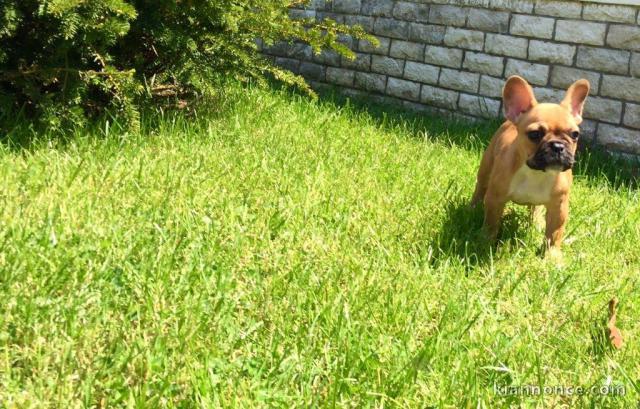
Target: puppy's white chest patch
531	187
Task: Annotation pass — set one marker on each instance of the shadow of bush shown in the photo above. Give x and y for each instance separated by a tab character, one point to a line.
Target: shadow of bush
593	163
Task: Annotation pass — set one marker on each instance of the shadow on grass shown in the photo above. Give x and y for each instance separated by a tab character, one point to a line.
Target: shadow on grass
472	136
462	238
593	163
20	133
600	343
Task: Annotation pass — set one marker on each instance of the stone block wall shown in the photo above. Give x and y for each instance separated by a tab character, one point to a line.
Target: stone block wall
452	57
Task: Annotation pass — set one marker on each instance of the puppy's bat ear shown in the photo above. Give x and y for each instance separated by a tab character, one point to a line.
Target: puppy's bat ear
575	97
518	97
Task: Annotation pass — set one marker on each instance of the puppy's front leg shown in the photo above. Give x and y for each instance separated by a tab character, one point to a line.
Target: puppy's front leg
557	215
493	209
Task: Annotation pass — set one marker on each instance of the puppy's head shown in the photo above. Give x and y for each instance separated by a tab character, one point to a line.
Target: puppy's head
547	133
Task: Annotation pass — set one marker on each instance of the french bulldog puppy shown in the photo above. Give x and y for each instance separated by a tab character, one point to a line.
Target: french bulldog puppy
529	159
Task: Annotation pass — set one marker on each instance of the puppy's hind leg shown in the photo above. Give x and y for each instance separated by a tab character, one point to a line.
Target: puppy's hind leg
482	181
493	209
536	216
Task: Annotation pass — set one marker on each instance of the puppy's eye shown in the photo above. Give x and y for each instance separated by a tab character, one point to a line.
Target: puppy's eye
535	135
575	135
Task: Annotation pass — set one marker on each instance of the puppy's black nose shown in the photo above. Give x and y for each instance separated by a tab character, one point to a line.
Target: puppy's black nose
557	147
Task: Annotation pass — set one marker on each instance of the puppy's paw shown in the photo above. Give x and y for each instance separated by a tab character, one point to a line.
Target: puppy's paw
554	256
490	235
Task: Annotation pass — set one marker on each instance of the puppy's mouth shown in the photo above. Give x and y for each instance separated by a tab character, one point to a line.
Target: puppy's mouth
552	156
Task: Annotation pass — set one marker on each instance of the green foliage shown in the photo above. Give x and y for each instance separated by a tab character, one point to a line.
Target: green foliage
63	61
57	59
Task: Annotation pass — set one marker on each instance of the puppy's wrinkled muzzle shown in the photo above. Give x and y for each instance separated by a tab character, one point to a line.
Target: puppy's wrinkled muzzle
553	155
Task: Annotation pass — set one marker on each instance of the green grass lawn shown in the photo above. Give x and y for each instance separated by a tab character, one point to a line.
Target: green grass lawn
285	253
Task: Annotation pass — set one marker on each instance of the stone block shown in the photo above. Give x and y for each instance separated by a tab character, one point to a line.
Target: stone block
461	38
552	53
409	11
362	62
635	64
587	131
537	74
378	8
491	87
488	20
387	65
448	15
370	82
448	57
581	32
424	73
532	26
298	14
563	77
312	71
506	45
278	49
366	22
407	50
424	109
340	76
329	57
548	94
632	115
298	51
459	80
347	40
383	49
439	97
288	64
389	27
603	59
609	12
516	6
555	8
479	106
483	63
619	139
346	6
621	87
603	109
625	37
403	89
320	5
426	33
